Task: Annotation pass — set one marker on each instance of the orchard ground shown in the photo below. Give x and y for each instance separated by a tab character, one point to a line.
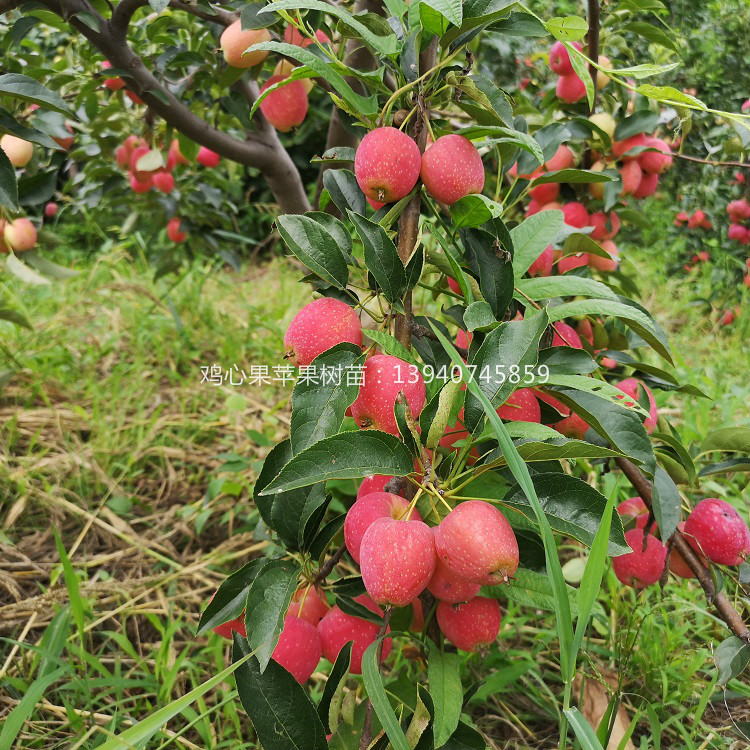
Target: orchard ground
146	471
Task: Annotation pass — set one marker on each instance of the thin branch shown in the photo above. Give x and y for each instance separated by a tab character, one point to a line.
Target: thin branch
7	5
710	162
222	17
593	40
329	565
719	600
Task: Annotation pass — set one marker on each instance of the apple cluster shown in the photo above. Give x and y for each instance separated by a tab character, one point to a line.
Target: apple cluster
148	169
714	530
739	227
570	87
388	164
20	234
284	107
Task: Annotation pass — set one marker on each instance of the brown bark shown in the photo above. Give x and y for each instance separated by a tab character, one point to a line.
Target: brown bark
408	226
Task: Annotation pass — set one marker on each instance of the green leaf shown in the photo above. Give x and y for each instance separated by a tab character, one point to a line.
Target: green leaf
643	121
71	583
652	33
23	272
443	673
267	603
47	267
391	345
385	45
36	189
634	316
452	10
532	236
316	247
520	472
505	135
8	184
348	455
571	507
9	125
548	287
318	408
495	264
474	210
731	657
286	512
344	190
666	503
373	680
620	426
282	714
15	317
731	439
479	315
580	68
591	581
381	258
514	343
568	29
336	679
229	601
27	89
570	176
670	95
531	589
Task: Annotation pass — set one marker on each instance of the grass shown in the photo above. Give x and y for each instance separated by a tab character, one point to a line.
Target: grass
109	438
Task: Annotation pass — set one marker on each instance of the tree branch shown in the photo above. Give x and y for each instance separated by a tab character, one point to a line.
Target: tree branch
723	606
8	5
263	151
710	162
122	15
593	40
222	17
408	226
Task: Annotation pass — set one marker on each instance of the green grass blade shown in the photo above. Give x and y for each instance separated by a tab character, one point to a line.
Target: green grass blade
71	583
146	729
591	582
584	733
16	718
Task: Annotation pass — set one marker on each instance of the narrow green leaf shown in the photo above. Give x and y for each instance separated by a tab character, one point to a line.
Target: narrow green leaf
376	693
443	673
